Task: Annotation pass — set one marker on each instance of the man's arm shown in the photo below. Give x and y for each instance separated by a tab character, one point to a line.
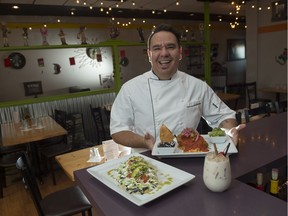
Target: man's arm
231	129
131	139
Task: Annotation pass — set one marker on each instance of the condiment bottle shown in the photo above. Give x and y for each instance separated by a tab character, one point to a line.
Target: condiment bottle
274	182
259	182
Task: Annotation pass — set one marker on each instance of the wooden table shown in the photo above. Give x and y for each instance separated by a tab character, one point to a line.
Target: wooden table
77	160
261	144
227	96
12	134
275	90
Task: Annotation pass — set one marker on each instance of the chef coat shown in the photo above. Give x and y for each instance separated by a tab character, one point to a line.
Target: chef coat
145	102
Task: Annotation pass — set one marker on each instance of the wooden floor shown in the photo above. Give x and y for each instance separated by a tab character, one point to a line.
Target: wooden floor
17	200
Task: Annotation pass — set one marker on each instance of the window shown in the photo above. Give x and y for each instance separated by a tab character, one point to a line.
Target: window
235	49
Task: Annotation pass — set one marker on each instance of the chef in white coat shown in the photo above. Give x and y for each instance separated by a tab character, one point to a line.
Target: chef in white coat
165	95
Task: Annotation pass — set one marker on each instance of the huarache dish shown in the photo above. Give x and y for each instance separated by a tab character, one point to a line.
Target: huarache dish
138	176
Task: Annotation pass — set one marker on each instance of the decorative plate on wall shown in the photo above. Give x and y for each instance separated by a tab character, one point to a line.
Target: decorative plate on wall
17	60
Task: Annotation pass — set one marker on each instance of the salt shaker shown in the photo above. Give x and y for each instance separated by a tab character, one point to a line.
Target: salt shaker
92	153
96	152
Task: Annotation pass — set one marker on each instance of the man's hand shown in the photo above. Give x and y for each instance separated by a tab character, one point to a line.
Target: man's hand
234	131
149	141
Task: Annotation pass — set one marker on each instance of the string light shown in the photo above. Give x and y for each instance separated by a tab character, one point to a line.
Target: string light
236	4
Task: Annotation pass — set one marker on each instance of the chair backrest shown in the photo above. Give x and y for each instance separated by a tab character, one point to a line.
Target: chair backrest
67	122
280	106
60	117
98	120
23	164
251	90
238	117
107	113
263	111
219	89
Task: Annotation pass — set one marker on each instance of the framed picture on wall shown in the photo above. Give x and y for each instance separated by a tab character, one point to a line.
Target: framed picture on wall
33	88
235	49
279	10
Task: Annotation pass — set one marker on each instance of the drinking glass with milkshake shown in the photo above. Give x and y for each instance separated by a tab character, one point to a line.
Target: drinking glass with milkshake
217	171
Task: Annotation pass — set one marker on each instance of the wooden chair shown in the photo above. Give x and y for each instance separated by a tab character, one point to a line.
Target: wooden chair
251	90
280	106
67	201
103	133
238	117
8	158
219	89
58	145
107	114
258	112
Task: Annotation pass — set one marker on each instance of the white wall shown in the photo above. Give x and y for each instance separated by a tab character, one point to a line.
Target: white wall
264	47
86	71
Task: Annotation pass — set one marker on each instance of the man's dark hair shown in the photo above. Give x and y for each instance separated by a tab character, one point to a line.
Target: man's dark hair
167	28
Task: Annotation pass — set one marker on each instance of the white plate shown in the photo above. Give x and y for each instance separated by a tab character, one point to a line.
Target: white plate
165	171
179	153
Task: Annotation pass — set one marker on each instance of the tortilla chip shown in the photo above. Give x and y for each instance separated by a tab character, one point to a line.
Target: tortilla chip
165	134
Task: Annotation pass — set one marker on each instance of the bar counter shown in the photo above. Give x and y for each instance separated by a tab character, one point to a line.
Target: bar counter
261	143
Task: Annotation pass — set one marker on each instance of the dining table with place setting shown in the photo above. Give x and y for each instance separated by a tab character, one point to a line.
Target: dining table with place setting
186	184
31	131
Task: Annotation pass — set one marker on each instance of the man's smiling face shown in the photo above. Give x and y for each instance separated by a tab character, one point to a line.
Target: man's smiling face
164	54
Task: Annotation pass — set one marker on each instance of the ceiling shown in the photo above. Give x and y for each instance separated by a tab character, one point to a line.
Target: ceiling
186	10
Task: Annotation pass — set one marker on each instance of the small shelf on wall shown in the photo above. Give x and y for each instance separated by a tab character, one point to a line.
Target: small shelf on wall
107	43
101	44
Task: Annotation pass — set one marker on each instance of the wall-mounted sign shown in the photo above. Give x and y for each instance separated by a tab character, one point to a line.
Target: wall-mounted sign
33	88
